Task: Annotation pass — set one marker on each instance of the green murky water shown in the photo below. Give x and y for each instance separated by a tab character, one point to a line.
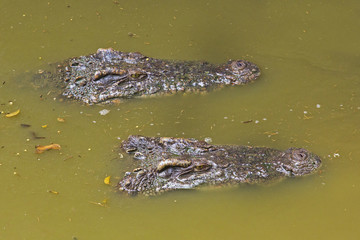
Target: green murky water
307	96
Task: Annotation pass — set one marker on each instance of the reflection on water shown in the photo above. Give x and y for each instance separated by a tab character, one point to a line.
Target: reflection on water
306	97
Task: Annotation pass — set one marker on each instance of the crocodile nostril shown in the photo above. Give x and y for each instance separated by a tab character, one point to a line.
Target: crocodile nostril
238	65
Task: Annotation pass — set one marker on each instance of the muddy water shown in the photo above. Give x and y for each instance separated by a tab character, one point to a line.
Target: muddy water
307	96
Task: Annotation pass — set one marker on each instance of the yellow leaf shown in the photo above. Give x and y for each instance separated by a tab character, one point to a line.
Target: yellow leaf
41	149
13	113
44	126
107	180
60	119
53	192
98	203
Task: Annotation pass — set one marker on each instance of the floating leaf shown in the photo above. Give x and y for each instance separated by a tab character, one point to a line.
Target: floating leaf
102	204
53	192
60	119
13	113
41	149
44	126
107	180
104	112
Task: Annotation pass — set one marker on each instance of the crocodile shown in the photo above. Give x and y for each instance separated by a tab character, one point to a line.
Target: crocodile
167	163
109	75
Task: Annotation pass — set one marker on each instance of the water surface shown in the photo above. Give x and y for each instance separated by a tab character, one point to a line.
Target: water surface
307	96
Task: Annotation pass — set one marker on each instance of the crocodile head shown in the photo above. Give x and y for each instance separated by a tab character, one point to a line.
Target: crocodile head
241	72
298	162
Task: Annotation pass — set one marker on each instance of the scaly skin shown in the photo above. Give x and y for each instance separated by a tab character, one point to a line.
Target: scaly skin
109	74
178	163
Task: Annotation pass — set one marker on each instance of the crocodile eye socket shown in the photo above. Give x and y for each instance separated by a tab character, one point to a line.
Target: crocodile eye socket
238	65
300	155
135	75
202	167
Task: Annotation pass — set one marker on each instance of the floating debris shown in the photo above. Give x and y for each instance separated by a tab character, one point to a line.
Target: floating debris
59	119
270	134
107	180
208	139
104	112
35	136
307	116
24	125
248	121
41	149
132	35
69	157
102	204
13	114
53	192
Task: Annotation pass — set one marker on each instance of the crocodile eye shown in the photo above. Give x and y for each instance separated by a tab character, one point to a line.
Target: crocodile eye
136	74
202	167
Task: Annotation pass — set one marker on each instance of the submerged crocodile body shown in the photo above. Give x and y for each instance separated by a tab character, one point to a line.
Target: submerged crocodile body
178	163
109	74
